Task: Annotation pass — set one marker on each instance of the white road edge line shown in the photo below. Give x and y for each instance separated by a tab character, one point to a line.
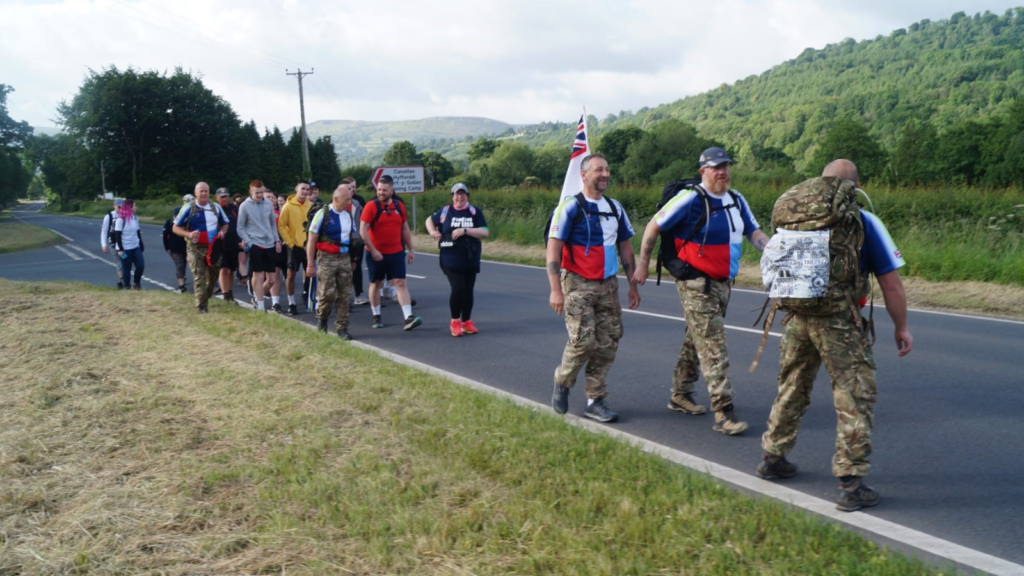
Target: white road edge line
761	292
69	253
68	238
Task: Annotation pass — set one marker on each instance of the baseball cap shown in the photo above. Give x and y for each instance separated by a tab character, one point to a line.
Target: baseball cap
118	201
313	184
460	187
223	192
713	157
188	197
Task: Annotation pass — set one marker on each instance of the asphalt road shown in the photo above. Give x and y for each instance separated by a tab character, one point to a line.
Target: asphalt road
948	442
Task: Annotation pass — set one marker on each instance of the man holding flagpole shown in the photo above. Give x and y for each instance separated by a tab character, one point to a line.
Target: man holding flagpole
586	233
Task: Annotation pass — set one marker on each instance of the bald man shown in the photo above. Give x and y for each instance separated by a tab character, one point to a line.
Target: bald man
201	222
841	342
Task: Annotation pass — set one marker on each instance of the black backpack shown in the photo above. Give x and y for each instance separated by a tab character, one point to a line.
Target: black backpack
399	206
582	211
667	256
110	229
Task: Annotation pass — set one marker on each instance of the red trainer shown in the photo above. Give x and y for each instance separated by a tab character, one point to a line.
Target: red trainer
457	328
468	327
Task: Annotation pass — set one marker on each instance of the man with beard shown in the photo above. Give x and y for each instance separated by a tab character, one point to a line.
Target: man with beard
201	222
708	223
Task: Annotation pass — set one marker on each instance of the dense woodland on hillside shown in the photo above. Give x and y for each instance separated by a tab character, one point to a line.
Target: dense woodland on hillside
938	102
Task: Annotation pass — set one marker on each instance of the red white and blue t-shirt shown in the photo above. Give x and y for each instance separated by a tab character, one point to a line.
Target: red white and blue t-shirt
338	227
715	248
594	240
206	219
879	254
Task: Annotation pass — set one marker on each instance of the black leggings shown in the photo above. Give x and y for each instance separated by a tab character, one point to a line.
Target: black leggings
461	300
357	273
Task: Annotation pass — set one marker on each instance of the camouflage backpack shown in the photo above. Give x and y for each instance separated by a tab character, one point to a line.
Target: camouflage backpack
824	203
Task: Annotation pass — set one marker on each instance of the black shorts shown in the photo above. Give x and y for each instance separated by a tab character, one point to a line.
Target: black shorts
392	267
297	258
262	259
229	259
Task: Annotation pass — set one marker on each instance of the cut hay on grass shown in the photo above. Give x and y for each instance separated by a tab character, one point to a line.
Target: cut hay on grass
137	437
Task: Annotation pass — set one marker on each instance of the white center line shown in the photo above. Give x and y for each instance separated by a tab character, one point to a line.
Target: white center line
69	253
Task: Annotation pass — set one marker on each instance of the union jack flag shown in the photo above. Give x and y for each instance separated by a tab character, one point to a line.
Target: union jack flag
579	145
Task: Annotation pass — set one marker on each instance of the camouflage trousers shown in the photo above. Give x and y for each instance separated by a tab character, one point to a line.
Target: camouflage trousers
593	318
807	341
704	344
204	277
333	283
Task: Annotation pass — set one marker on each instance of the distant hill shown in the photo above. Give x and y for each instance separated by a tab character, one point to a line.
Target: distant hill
942	73
359	141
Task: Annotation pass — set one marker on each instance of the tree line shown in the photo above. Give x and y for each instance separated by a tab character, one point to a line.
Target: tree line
14	175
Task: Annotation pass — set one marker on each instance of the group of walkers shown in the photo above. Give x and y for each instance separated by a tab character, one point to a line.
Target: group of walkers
701	225
701	229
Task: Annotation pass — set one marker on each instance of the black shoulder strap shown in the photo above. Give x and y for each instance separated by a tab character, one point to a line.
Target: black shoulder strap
376	216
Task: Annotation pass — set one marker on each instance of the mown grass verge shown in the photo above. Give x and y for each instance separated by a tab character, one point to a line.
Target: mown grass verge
136	437
17	236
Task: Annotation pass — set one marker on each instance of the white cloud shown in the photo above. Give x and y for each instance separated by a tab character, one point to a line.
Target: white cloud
524	61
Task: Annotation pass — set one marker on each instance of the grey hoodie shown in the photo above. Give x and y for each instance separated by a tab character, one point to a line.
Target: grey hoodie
257	223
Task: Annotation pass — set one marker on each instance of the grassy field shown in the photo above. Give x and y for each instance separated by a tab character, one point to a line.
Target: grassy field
248	444
16	236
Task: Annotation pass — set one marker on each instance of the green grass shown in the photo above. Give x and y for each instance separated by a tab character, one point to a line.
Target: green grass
288	450
18	236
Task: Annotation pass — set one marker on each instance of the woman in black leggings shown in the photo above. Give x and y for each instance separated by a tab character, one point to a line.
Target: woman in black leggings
458	229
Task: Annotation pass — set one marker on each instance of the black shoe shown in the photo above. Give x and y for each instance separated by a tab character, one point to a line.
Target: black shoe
321	325
412	302
293	310
183	289
377	323
344	335
136	286
412	322
277	308
598	411
560	399
854	495
772	467
203	309
120	285
229	296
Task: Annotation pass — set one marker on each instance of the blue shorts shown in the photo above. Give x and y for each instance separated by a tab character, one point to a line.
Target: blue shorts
391	267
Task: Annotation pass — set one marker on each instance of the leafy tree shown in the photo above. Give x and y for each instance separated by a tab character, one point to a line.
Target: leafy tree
13	134
482	149
68	168
550	163
439	169
849	138
273	156
324	163
36	189
667	143
914	159
510	164
361	172
614	144
14	178
402	153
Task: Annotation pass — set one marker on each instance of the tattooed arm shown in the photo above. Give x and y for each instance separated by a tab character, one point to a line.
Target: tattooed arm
554	260
759	240
643	263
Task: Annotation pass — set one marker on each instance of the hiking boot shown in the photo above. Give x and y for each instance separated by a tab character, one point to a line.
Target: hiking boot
229	296
560	399
854	495
120	285
344	335
772	467
360	301
727	423
293	310
598	411
277	308
377	322
468	327
203	309
684	403
412	322
321	325
136	286
456	326
183	289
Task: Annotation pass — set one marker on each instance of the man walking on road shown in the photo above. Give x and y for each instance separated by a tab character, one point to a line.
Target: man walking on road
200	223
587	231
841	342
232	245
257	229
292	228
357	255
107	239
329	243
175	247
384	228
707	224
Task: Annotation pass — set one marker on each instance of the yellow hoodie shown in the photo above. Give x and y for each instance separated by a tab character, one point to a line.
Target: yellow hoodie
292	223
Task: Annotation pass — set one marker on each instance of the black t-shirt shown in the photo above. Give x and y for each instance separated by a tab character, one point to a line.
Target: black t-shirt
231	238
463	254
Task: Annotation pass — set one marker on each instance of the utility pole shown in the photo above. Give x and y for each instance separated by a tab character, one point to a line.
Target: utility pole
103	178
306	171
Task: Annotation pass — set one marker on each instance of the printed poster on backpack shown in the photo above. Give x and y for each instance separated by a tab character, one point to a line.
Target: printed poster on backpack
796	264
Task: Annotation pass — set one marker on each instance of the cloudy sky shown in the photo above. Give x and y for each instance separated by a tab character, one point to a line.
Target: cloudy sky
520	61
